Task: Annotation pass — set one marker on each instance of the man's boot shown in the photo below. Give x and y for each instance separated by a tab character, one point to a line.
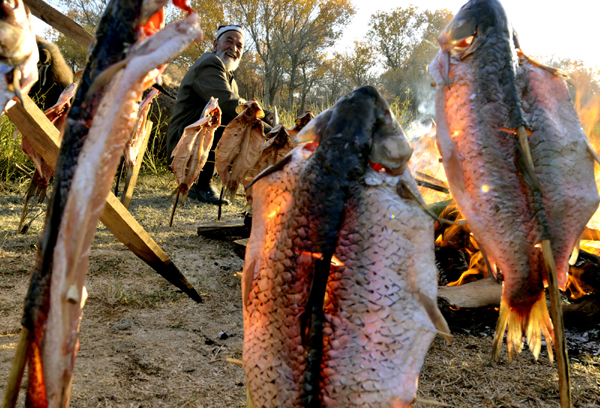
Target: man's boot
203	189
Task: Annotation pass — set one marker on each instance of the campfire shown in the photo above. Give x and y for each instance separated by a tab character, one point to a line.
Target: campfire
459	260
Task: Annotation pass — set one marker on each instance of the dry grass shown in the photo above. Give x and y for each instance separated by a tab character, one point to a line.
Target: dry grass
143	344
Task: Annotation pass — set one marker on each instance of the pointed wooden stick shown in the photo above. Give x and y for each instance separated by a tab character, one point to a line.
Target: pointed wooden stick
16	372
564	380
174	207
220	204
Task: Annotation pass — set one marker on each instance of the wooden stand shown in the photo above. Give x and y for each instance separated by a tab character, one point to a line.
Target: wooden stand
42	134
62	23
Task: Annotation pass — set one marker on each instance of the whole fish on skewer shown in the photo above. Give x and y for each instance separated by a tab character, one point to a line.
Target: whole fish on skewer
484	94
301	347
191	153
240	146
19	54
98	125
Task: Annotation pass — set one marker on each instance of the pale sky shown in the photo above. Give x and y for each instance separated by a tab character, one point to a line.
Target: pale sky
566	28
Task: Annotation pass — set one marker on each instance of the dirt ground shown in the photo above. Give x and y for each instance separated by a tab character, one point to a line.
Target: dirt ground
144	344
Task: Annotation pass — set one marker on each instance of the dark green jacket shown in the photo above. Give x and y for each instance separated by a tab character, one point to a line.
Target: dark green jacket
207	77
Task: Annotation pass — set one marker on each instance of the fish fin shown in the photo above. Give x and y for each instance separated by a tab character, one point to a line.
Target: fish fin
249	403
247	278
519	322
575	253
554	71
454	172
436	316
592	151
271	169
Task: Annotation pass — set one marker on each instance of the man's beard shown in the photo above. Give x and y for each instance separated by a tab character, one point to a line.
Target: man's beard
230	65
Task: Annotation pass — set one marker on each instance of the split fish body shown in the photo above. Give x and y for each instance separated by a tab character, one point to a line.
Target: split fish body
134	144
191	153
480	103
85	170
18	51
377	331
303	209
274	294
562	161
240	146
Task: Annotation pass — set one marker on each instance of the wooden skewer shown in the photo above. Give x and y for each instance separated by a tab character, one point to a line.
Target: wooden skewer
234	361
16	372
564	379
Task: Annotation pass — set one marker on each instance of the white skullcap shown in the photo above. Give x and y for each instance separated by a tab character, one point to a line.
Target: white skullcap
224	28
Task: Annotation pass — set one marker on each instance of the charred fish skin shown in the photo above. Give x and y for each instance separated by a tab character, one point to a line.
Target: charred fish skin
273	293
377	332
480	158
563	164
116	30
284	284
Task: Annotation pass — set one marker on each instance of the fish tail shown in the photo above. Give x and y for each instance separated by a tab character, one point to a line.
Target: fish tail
517	322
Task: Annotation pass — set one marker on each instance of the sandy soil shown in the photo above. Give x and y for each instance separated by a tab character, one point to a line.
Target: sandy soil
144	344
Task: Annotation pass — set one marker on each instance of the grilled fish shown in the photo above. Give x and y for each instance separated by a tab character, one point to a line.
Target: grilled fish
191	153
85	168
292	241
19	54
240	146
133	145
483	95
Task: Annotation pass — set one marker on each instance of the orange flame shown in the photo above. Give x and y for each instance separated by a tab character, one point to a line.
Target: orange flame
316	255
575	285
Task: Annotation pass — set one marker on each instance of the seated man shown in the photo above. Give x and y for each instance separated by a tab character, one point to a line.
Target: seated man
211	75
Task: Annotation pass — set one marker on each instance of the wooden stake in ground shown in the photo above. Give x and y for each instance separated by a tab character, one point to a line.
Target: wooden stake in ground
564	380
43	135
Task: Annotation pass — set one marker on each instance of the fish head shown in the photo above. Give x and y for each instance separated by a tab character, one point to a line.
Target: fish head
152	16
462	36
250	109
279	136
390	147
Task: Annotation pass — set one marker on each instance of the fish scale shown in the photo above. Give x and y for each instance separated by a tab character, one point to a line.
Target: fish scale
361	351
272	323
396	333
